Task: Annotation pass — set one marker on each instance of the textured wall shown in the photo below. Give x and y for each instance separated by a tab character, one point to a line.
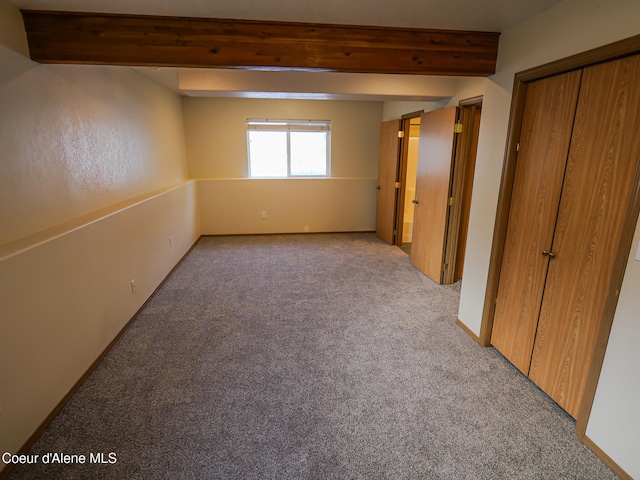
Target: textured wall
80	150
77	138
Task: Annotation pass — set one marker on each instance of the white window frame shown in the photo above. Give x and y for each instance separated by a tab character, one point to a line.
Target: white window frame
288	126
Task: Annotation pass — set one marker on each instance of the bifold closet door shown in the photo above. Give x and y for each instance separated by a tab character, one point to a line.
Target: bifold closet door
544	142
599	181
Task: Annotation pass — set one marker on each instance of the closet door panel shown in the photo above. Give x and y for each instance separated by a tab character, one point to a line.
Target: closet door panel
602	164
544	142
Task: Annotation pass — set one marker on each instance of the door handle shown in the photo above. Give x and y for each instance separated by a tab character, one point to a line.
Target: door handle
548	254
415	200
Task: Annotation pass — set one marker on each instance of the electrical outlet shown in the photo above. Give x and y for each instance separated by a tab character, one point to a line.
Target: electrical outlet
133	286
171	241
264	214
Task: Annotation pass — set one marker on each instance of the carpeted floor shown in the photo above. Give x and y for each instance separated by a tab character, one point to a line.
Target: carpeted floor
308	357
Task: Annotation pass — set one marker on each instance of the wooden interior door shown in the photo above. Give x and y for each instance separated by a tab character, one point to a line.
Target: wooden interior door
599	181
387	177
544	143
433	187
470	116
461	188
403	157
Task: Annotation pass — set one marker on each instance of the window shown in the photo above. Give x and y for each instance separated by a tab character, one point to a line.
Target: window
289	148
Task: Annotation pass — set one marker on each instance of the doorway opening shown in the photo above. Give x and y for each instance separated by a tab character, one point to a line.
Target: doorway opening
431	155
408	172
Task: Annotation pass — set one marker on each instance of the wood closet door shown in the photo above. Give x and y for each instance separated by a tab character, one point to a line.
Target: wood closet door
602	164
544	142
387	177
433	187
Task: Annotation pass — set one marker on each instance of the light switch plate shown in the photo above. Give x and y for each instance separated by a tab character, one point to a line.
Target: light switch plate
638	253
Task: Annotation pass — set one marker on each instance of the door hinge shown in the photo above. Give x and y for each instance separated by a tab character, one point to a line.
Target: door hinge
457	128
518	147
395	232
398	185
445	266
451	201
400	134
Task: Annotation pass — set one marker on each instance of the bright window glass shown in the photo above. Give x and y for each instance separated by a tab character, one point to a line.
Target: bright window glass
268	154
308	153
289	148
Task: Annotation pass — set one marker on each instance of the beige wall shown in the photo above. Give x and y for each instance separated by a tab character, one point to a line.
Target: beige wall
92	186
230	203
312	85
394	110
467	87
569	28
217	140
292	205
83	147
615	419
63	300
461	88
77	139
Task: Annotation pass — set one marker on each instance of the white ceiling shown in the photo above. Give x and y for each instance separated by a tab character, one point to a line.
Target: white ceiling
478	15
481	15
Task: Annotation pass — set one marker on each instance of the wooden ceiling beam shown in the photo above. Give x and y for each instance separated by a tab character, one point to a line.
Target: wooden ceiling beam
88	38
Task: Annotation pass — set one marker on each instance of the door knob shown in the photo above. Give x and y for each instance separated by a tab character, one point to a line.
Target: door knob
377	187
548	254
415	200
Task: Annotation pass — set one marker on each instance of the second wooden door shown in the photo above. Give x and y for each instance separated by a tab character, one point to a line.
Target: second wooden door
433	187
387	181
